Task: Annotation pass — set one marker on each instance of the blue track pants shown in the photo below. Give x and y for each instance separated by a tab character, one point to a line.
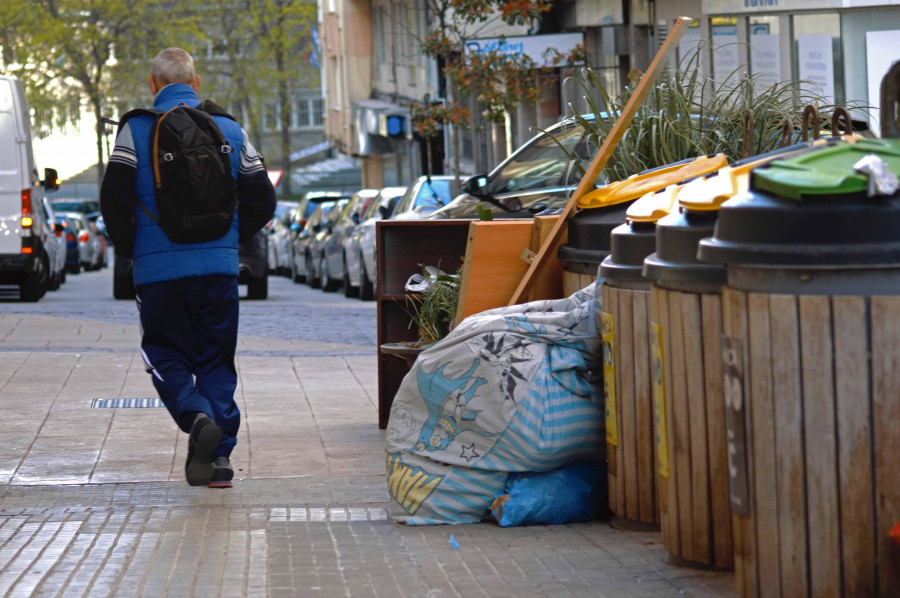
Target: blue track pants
188	338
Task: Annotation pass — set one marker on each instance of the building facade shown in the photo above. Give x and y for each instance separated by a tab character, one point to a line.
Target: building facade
373	68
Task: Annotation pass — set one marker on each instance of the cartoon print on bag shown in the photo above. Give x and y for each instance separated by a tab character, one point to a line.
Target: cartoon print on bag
505	353
447	401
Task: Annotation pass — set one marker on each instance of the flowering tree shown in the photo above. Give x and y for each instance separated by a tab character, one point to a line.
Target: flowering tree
496	80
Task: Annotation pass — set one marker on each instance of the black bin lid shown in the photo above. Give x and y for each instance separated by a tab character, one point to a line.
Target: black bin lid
812	210
675	264
630	244
589	233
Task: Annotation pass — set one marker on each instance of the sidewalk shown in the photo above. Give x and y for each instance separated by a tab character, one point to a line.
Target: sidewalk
94	502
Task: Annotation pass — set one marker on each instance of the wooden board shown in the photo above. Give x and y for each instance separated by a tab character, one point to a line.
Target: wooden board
819	427
493	264
790	467
496	258
680	427
885	328
549	282
734	325
853	407
645	436
762	432
711	308
692	333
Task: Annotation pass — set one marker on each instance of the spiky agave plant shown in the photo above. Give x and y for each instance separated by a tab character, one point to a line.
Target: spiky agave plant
686	115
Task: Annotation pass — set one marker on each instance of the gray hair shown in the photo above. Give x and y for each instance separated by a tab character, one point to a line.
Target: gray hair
173	65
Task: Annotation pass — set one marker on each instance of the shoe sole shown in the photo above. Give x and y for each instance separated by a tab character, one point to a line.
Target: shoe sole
220	485
200	470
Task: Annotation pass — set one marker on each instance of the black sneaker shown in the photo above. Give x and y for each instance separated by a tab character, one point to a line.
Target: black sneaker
202	443
222	473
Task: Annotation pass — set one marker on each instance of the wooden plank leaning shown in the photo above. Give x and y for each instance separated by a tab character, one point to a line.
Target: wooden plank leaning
603	155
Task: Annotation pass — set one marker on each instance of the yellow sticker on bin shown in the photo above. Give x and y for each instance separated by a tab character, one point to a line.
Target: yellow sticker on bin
608	343
638	185
657	367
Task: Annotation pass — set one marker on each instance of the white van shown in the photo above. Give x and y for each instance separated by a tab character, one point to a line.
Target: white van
24	230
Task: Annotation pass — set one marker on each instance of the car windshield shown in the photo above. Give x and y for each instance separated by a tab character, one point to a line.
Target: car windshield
542	164
75	205
433	194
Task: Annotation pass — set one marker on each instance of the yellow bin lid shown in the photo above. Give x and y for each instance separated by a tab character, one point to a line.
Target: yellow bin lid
639	185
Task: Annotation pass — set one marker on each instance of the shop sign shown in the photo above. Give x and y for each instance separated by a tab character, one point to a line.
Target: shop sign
533	46
816	59
769	6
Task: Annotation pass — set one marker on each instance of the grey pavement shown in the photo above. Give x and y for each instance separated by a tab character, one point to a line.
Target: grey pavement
93	500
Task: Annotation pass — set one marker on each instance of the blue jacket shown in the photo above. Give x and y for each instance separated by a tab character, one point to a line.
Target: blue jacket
156	257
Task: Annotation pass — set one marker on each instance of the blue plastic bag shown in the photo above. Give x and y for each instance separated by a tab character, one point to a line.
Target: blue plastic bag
570	494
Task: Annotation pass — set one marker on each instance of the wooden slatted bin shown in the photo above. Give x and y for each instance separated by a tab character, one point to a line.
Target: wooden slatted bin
686	328
625	329
811	363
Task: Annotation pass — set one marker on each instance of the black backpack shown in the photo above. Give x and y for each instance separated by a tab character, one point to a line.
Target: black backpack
195	190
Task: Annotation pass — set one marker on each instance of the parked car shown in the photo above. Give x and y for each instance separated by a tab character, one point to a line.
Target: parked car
70	234
346	223
89	245
424	196
310	200
55	245
536	177
24	259
303	259
386	203
88	207
253	265
316	249
280	237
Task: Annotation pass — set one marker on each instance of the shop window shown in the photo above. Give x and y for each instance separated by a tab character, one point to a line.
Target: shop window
765	51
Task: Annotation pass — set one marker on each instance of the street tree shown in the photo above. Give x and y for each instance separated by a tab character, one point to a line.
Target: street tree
69	53
282	29
494	79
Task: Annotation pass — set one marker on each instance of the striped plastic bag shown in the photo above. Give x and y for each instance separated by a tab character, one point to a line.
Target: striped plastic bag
513	389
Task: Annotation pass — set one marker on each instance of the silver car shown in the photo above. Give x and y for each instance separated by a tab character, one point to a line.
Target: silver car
89	245
384	207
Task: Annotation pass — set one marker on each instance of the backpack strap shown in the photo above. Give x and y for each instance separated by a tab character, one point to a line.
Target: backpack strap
214	109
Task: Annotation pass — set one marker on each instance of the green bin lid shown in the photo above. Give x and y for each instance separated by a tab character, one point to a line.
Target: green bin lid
826	172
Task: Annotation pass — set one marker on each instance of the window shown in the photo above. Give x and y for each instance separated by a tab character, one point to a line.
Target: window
318	111
303	112
378	33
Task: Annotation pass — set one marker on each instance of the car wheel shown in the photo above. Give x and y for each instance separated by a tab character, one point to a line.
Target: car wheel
329	285
123	286
35	284
349	289
258	288
366	288
54	281
312	280
62	275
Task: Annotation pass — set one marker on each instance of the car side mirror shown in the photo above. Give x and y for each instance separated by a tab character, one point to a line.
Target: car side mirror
58	228
474	185
51	179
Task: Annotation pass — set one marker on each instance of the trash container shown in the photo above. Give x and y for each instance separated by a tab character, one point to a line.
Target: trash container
686	328
604	209
624	325
811	373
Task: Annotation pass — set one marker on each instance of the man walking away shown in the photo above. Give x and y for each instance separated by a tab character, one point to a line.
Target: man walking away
187	292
